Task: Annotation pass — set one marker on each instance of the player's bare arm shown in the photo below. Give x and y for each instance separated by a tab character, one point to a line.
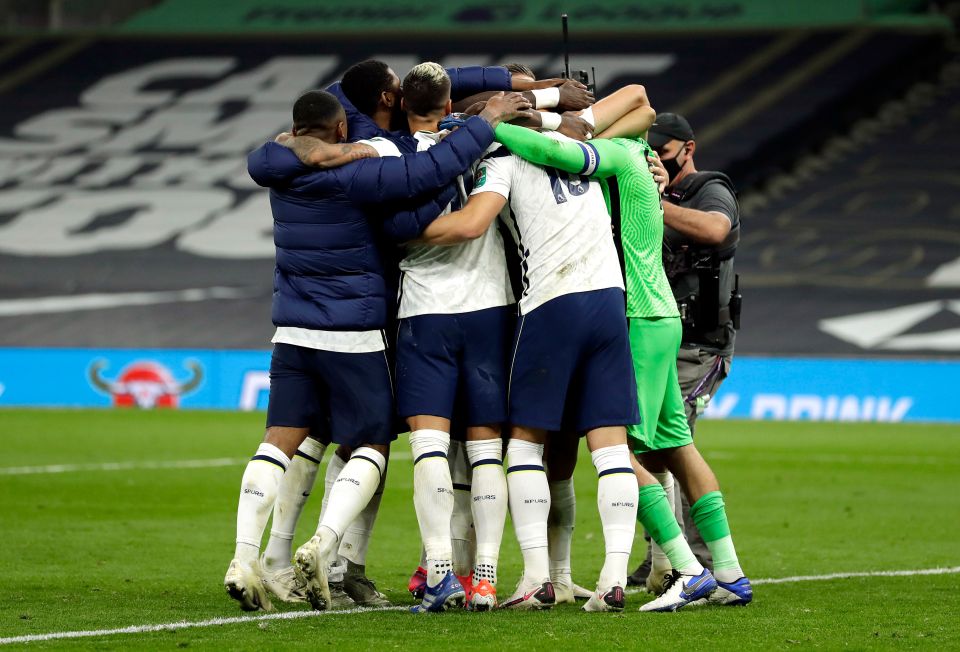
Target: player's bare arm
316	153
631	125
570	96
702	226
468	223
599	158
617	105
503	107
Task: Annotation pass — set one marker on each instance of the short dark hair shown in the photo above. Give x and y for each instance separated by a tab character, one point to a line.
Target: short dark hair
426	88
364	82
316	110
520	69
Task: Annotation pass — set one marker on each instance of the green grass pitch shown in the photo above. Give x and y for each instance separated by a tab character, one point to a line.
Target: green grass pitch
100	549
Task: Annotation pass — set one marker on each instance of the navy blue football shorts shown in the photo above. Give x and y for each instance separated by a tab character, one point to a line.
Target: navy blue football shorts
351	394
572	366
455	364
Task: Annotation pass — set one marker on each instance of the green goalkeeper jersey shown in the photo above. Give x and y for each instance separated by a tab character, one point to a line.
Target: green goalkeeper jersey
635	196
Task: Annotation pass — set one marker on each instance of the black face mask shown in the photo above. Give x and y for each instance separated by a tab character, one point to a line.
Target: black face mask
672	166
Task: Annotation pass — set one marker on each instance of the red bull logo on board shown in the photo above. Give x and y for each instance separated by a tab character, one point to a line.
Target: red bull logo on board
145	384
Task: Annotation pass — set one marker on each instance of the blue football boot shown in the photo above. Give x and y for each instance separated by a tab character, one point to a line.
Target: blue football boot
447	594
680	590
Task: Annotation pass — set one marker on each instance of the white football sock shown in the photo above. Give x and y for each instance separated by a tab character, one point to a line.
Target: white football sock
295	488
258	492
461	522
351	492
659	564
563	516
529	499
617	497
334	467
433	499
489	496
356	540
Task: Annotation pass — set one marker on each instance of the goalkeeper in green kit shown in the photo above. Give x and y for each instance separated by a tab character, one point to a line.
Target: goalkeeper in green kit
662	441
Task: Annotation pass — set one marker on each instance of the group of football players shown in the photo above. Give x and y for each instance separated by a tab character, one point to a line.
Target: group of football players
395	296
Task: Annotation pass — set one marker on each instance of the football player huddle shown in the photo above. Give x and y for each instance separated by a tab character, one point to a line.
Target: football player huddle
473	255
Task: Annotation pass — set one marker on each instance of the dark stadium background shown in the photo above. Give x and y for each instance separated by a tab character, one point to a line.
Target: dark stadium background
136	239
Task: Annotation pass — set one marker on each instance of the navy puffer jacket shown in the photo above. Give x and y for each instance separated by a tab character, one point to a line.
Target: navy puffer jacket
329	274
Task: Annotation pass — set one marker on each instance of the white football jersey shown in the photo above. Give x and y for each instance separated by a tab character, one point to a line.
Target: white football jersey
456	278
560	223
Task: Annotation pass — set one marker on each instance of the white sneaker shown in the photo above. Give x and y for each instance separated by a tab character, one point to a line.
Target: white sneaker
581	593
310	564
612	600
284	584
531	595
244	584
656	579
681	590
567	592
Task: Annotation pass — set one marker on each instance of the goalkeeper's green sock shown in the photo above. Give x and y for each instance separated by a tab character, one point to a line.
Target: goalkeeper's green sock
657	517
710	517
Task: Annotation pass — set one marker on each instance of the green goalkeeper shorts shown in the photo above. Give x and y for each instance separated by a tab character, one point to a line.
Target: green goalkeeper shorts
654	344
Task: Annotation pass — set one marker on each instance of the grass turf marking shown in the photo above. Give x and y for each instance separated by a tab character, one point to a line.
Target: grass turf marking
292	615
144	465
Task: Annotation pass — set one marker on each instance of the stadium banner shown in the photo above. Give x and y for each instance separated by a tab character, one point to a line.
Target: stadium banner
504	17
758	388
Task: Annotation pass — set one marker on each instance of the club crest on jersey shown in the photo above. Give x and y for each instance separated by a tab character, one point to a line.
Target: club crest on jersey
481	177
145	384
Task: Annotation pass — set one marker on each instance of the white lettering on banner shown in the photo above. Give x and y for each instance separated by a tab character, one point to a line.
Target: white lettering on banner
278	81
240	232
769	406
721	406
889	328
109	171
125	88
60	228
810	407
163	162
66	129
254	383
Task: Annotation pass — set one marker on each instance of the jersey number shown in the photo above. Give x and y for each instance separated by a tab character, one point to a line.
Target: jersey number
576	185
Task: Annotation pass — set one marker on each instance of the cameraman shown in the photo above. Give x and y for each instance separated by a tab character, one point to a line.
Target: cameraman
701	231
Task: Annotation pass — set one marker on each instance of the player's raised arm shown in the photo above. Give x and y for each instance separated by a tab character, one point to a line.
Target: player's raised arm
470	80
407	222
633	124
468	223
598	158
388	179
314	152
616	106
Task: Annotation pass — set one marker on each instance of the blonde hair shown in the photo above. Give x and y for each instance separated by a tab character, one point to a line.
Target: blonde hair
426	88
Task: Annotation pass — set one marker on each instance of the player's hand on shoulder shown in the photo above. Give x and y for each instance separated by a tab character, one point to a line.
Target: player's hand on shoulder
529	85
659	173
475	108
574	96
504	106
573	126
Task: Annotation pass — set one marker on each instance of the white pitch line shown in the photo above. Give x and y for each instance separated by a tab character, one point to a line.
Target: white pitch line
144	465
843	576
123	466
183	624
291	615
